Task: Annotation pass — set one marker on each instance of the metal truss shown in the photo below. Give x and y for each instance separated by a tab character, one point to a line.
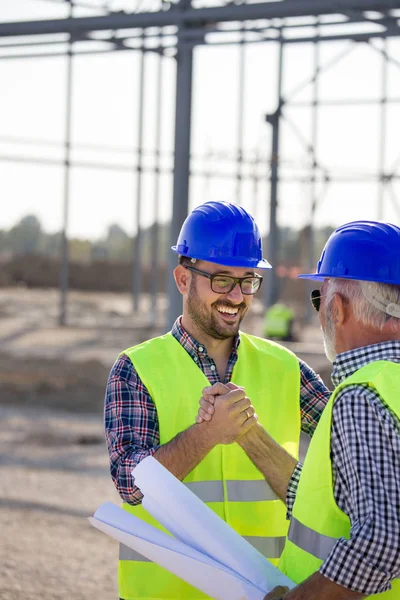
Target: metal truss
181	26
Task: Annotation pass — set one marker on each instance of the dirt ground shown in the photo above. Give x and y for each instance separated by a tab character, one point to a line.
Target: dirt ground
53	459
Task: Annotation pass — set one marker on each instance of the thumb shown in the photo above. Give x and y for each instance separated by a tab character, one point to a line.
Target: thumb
277	592
233	386
215	390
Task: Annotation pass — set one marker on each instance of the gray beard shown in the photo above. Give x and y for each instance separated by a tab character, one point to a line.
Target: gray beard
329	338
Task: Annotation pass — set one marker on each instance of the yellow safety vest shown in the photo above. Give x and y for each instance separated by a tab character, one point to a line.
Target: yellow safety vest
317	521
226	480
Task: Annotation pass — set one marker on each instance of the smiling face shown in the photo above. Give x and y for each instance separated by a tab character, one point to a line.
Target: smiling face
216	315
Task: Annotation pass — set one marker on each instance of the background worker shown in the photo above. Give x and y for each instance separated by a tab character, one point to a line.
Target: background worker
153	392
278	322
344	503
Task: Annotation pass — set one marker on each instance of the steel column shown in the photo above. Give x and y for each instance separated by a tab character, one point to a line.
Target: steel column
240	132
383	126
64	269
180	201
155	263
137	263
271	289
311	263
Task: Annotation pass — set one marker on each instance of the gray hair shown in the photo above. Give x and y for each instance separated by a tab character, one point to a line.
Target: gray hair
374	304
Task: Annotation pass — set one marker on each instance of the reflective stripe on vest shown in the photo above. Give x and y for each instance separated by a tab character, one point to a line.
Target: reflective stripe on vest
271	547
268	546
311	541
237	491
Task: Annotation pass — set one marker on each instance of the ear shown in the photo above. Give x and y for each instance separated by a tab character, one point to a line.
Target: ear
182	279
339	310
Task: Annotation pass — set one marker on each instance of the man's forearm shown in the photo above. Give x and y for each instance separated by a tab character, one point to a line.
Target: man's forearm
186	450
318	587
271	459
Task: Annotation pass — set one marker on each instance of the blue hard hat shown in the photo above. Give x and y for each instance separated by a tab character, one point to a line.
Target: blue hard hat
361	250
223	233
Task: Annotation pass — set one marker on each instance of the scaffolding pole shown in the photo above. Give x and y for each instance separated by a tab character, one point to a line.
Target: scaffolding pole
240	122
155	264
180	200
271	289
311	262
137	263
64	270
383	131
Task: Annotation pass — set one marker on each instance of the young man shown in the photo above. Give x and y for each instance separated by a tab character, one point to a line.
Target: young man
153	391
344	503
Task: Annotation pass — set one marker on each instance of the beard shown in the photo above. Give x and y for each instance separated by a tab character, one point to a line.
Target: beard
205	319
329	337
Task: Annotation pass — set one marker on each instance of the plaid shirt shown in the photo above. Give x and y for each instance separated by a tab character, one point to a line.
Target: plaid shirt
365	454
131	423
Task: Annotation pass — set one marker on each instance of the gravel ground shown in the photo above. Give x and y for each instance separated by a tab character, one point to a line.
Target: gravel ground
53	475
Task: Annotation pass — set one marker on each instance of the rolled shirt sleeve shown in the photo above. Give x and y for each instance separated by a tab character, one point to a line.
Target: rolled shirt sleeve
314	396
131	426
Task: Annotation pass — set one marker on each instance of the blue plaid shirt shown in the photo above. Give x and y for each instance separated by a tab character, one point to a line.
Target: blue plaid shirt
131	423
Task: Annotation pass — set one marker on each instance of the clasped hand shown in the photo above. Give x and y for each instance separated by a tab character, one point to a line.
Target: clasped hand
227	411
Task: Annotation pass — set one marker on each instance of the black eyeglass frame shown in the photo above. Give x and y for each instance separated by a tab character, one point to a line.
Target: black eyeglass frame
235	280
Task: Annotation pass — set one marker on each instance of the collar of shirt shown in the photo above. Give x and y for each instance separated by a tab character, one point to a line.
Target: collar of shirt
191	345
349	362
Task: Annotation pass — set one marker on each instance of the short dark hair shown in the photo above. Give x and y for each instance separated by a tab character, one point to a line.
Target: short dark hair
184	260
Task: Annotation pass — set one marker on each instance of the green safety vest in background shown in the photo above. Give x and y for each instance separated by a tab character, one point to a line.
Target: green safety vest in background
317	521
277	321
226	480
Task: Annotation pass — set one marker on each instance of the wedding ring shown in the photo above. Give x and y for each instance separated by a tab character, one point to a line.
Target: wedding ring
247	414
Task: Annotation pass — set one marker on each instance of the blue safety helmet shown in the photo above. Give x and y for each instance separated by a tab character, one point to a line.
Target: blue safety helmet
222	233
361	250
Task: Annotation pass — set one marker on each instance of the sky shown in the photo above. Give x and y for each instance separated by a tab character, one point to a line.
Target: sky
105	125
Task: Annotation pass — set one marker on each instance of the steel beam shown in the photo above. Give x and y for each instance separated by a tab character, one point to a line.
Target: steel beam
200	39
174	16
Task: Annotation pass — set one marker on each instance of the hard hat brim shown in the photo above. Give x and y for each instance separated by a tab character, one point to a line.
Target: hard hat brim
229	262
323	276
313	276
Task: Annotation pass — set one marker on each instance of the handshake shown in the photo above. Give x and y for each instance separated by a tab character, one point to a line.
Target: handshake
227	412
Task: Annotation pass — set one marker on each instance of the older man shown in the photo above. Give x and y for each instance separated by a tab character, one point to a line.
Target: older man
344	503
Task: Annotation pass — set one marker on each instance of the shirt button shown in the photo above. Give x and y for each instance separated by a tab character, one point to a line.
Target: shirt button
201	348
195	358
212	367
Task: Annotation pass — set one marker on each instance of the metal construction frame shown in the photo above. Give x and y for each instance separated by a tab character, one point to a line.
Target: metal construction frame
181	27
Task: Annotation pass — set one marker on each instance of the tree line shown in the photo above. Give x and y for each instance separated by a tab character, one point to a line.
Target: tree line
28	237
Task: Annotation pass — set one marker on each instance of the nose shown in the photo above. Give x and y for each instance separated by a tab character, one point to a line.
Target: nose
235	295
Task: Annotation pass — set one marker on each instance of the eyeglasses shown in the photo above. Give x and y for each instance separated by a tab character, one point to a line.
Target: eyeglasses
223	284
315	298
